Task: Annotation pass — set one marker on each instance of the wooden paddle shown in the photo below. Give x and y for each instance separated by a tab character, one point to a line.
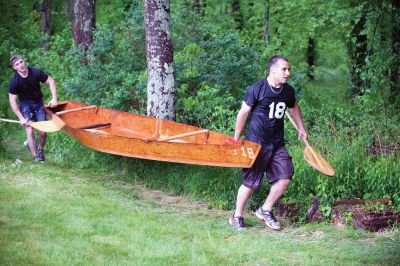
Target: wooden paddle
53	125
313	158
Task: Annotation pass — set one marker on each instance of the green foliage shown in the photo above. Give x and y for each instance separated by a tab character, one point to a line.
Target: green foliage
207	108
222	60
213	69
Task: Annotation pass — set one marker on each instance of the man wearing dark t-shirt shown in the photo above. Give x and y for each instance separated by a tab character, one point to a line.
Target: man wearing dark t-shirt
267	101
25	87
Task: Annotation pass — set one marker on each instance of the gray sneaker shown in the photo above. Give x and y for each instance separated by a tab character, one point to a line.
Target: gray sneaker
269	219
40	155
237	222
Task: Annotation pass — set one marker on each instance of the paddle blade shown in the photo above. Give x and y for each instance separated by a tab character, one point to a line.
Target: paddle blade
53	125
315	160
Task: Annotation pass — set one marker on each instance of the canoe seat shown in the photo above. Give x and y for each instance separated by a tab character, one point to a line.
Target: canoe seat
96	126
97	131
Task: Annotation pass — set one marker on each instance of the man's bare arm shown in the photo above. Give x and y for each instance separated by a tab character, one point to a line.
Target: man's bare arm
14	105
53	88
296	114
241	120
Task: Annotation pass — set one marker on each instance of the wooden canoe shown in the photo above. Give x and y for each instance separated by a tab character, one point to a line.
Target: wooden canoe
133	135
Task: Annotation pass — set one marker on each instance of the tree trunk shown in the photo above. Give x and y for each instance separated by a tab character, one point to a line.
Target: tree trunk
196	6
84	22
313	213
70	10
395	65
266	23
237	14
161	91
358	52
45	24
199	6
310	58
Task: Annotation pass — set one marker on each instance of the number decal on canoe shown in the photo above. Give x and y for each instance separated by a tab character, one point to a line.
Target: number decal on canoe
250	152
245	152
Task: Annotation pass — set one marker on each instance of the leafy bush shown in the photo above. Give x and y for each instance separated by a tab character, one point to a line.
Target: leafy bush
207	108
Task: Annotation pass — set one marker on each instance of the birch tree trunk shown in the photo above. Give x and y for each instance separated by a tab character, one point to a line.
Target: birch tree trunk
161	91
84	22
45	24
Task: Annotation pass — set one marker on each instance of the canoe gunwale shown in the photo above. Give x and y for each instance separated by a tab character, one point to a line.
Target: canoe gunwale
168	143
175	148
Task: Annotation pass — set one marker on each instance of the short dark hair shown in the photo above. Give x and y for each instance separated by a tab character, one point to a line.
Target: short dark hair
15	58
273	60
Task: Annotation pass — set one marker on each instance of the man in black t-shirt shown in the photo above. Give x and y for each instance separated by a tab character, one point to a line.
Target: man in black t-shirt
25	87
267	101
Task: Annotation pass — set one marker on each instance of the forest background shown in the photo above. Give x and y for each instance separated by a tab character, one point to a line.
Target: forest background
345	68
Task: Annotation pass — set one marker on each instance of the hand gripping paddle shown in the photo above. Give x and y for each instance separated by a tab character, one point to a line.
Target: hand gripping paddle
313	158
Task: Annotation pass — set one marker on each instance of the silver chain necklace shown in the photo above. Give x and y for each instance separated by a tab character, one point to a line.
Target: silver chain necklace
280	89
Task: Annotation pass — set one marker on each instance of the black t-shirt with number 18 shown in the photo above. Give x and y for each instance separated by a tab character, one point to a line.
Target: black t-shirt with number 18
268	105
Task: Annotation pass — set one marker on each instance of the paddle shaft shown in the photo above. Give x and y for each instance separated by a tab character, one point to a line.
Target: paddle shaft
10	120
296	127
305	141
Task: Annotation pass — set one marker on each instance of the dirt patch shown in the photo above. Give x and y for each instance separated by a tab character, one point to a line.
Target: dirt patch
166	200
5	219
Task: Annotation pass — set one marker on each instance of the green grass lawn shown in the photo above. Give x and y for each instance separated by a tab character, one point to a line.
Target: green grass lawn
52	215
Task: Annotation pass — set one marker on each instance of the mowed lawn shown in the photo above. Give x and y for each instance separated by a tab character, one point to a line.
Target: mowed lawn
52	215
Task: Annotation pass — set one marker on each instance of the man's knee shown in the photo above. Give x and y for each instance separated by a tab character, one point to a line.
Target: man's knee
283	183
29	131
243	189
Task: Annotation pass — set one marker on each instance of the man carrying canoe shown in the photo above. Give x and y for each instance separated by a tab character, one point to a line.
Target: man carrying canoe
25	86
267	101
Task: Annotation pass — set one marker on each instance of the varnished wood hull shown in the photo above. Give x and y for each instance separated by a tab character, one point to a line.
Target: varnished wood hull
132	135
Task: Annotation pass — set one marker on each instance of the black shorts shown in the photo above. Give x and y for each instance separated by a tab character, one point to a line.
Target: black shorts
276	164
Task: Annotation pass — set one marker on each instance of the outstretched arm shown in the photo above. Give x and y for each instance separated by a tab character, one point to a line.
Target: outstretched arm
53	88
14	105
296	114
241	120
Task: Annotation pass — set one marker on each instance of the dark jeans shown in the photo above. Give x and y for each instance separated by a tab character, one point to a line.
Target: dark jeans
32	111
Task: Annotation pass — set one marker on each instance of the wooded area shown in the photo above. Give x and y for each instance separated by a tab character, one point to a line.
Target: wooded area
192	60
